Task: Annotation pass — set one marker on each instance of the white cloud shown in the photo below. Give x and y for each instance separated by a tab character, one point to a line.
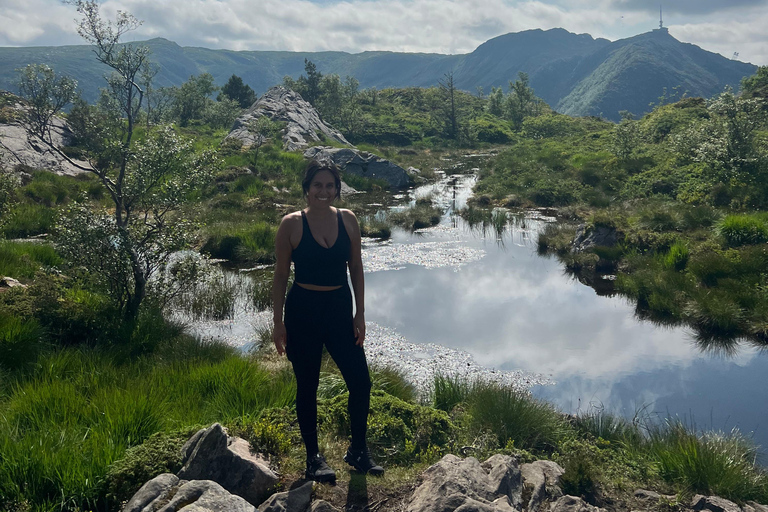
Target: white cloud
442	26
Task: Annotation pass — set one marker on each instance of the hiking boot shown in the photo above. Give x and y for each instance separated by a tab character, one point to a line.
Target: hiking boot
362	460
319	470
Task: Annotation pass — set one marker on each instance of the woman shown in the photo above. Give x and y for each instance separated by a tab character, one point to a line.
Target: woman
322	241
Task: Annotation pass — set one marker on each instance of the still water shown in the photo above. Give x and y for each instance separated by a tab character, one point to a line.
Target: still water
514	310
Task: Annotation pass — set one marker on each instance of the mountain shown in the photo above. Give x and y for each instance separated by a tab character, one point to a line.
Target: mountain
574	73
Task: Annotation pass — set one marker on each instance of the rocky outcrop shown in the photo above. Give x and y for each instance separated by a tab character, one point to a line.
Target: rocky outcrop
466	484
573	504
303	124
168	493
588	238
213	455
361	163
19	148
713	504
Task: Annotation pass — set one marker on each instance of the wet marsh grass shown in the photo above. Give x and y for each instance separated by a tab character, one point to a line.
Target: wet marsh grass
420	216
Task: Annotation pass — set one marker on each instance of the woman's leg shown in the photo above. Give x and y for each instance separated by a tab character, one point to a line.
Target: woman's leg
350	358
304	349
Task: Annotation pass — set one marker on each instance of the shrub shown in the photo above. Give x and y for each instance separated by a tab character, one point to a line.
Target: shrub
396	429
677	257
514	415
739	230
448	392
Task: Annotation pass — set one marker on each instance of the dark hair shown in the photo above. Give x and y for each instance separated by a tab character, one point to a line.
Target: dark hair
314	167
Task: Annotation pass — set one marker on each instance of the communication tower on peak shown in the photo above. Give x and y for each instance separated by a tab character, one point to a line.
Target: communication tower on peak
661	28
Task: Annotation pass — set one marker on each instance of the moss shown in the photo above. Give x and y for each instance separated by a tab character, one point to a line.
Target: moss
160	453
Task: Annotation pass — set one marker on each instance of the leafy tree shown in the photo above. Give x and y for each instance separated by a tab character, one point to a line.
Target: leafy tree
221	114
263	129
625	136
46	95
124	246
756	86
238	91
308	85
521	102
496	102
191	99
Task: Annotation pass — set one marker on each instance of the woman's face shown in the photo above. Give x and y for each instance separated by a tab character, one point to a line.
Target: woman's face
322	189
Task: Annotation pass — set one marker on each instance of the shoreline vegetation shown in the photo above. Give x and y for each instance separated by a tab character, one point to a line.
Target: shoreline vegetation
98	392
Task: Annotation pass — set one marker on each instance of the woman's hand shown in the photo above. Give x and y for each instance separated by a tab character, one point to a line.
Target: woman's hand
280	338
359	329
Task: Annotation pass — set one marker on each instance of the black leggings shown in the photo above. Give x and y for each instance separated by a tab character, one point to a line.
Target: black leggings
317	318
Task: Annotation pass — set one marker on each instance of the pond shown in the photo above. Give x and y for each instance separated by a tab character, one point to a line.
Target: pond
467	300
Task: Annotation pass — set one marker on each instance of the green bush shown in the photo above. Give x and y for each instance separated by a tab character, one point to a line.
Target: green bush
739	230
677	257
396	429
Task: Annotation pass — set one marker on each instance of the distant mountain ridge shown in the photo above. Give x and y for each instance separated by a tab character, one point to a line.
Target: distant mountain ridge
574	73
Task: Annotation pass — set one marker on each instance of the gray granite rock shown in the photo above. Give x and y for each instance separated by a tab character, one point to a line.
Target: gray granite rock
322	506
455	484
18	148
713	504
303	123
212	455
361	163
9	282
541	479
752	506
205	496
587	239
152	494
295	500
572	504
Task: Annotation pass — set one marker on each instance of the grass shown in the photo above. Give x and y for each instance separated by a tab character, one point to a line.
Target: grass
247	243
22	260
417	217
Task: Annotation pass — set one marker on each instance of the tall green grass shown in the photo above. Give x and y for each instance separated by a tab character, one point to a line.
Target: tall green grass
24	259
28	219
747	229
713	463
252	242
63	423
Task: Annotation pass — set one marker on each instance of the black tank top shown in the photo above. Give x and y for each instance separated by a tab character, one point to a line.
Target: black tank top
314	264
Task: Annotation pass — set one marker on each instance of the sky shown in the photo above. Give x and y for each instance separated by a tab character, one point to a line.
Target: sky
728	27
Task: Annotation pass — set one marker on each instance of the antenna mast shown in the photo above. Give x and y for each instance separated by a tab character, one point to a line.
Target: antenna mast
661	20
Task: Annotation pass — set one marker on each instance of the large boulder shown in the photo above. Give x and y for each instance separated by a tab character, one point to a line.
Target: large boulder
303	123
713	504
361	163
465	484
213	455
168	493
541	482
588	238
17	147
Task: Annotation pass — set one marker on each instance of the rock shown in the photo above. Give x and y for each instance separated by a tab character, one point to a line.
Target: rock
572	504
455	484
295	500
649	496
322	506
303	124
714	504
9	282
361	163
587	239
212	455
205	496
346	190
18	148
152	493
541	479
752	506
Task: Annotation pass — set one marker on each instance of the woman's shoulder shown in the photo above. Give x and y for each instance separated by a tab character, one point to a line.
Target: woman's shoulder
347	215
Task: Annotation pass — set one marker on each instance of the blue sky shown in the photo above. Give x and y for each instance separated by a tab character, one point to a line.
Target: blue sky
442	26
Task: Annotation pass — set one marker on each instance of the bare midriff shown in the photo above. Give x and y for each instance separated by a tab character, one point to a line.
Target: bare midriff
318	288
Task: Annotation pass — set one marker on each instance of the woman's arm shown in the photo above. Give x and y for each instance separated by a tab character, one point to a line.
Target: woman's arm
283	251
356	274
